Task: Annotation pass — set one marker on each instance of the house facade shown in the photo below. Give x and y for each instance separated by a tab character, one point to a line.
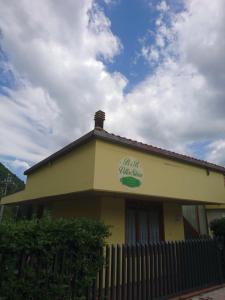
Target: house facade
136	188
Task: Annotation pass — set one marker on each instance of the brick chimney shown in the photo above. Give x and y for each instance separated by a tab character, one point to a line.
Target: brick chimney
99	119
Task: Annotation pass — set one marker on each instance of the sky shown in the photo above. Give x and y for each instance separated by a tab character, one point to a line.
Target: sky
157	68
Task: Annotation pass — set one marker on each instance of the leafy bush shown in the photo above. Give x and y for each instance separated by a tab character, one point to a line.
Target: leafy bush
49	259
218	227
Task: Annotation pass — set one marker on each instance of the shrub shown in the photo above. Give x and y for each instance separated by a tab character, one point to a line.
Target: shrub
49	259
218	227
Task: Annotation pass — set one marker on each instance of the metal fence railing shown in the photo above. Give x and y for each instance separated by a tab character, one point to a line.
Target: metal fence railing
156	271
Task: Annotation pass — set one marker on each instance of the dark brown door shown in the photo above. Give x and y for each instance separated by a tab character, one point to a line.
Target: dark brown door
144	222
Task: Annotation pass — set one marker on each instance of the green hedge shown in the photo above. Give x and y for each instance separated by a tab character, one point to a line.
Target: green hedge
49	259
218	227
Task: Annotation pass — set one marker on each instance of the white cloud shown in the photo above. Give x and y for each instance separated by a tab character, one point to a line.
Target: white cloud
162	6
111	2
184	100
19	164
16	166
151	53
216	151
27	116
55	49
60	80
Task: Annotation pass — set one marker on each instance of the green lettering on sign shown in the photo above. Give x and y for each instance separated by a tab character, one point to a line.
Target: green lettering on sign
130	172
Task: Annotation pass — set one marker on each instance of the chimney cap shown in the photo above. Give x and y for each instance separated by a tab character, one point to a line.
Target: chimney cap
99	119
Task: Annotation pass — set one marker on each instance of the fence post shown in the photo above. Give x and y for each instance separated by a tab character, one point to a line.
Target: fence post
118	285
160	273
113	273
107	261
219	251
147	271
128	271
138	272
100	278
155	259
133	272
152	279
164	270
124	256
143	274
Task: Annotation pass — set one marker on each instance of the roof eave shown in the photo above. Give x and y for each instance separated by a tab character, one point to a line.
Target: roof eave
139	147
103	135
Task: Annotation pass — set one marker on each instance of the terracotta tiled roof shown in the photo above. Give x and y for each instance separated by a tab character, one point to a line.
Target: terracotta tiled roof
104	135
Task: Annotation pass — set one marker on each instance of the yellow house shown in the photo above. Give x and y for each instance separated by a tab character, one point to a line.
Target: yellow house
136	188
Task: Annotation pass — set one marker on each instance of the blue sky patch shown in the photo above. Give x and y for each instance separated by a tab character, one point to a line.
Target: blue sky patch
130	21
7	80
199	149
135	22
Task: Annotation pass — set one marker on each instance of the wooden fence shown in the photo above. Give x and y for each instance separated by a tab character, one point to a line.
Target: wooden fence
157	271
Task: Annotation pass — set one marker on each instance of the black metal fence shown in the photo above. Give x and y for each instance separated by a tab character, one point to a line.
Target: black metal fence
157	271
151	271
220	243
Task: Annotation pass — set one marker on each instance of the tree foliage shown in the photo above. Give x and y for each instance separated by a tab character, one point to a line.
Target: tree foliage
218	227
14	183
49	259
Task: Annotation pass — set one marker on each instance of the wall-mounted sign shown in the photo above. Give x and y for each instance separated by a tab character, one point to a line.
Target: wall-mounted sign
130	172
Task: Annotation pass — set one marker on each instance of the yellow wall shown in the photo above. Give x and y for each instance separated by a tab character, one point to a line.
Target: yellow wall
162	177
111	210
220	206
88	207
16	197
113	213
173	222
72	172
95	166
